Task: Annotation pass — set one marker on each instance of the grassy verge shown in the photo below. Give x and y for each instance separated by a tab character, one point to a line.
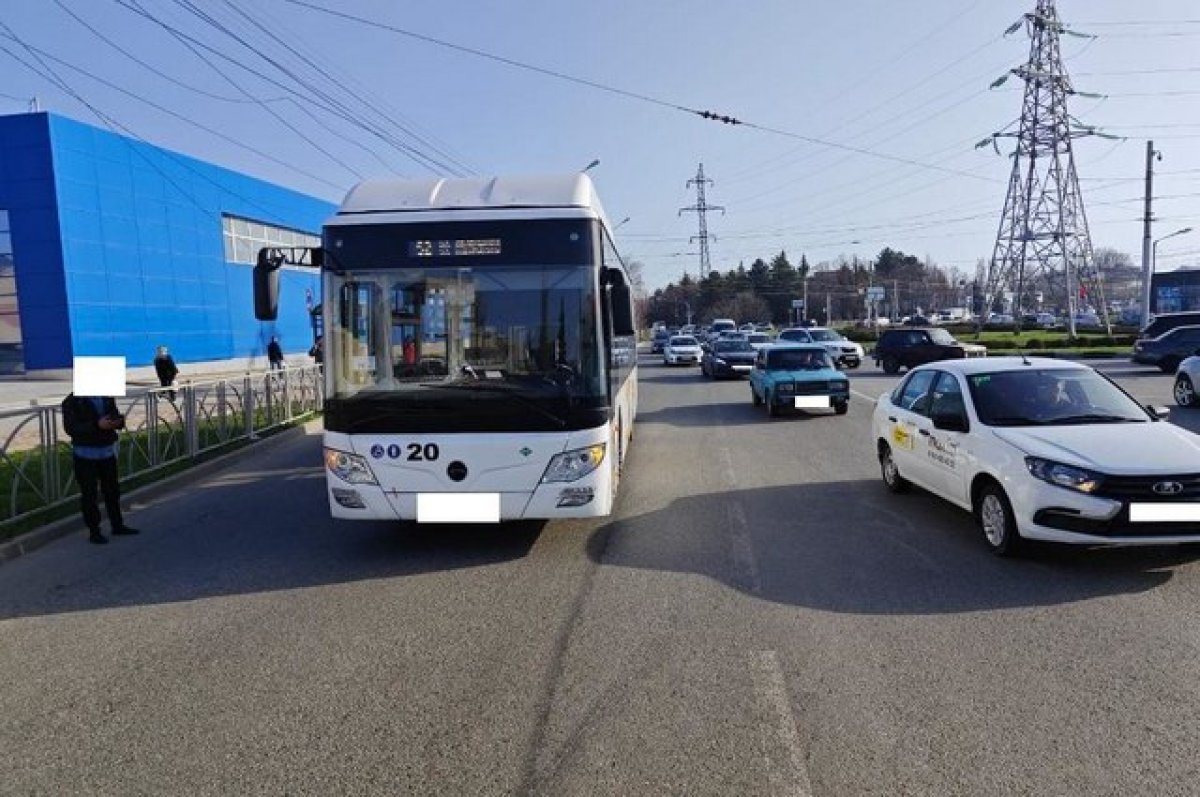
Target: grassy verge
133	459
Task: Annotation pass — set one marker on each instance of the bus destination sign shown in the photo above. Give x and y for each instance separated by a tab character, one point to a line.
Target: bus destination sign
454	248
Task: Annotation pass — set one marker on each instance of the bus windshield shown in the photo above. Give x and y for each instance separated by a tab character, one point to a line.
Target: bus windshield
529	328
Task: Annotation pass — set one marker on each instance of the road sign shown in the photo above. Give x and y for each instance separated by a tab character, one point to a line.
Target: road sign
875	293
797	304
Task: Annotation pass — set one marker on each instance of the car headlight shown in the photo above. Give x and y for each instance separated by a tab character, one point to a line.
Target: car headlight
570	466
718	361
1068	476
350	468
786	387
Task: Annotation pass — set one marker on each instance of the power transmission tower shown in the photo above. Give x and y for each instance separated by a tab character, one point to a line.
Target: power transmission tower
1043	245
701	209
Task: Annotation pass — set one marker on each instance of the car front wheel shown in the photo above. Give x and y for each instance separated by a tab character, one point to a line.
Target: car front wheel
772	407
1185	391
754	397
995	516
890	364
841	407
891	474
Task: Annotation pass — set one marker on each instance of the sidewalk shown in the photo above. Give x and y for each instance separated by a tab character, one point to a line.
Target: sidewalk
21	391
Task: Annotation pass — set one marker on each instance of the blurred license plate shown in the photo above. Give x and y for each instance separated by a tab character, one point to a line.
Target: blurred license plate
458	507
812	402
1164	513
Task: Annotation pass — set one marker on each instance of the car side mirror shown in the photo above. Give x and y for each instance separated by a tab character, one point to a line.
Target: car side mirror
1158	413
951	422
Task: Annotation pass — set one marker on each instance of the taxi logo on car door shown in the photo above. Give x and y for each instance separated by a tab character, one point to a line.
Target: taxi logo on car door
902	437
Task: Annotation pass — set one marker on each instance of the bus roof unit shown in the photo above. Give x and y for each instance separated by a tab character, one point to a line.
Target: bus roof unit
433	194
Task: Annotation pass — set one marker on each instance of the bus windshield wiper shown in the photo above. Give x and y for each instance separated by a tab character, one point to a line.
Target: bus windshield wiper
499	387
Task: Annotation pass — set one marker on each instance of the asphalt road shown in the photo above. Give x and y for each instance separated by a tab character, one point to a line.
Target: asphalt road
759	617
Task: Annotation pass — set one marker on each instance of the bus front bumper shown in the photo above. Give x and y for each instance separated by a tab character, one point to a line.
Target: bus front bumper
585	497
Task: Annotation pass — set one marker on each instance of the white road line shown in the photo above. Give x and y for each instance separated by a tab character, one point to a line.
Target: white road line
787	771
871	399
743	549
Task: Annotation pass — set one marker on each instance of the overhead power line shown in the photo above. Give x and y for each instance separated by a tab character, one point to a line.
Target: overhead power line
704	114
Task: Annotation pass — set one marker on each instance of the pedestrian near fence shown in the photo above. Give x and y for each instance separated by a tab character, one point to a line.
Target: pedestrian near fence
164	366
92	423
275	354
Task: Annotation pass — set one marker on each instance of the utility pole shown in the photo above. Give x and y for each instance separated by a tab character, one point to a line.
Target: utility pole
896	312
701	209
828	310
807	312
1043	242
1147	224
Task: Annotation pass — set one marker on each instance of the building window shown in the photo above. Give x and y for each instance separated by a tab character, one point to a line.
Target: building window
10	314
243	238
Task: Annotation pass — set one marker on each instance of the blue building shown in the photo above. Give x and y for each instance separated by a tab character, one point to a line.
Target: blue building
111	246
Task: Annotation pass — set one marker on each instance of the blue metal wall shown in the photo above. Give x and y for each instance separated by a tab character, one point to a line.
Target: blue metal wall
27	193
137	259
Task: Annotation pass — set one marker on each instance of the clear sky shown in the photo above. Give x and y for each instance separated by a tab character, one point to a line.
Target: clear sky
900	78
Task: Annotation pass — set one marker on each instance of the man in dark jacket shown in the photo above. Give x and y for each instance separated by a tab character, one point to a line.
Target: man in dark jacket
92	423
164	366
275	354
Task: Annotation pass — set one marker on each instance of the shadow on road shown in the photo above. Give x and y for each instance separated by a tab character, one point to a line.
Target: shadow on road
244	534
851	547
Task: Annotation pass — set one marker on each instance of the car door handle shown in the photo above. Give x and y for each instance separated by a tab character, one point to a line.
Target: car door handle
924	432
892	418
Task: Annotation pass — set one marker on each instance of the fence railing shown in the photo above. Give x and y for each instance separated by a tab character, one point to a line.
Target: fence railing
162	426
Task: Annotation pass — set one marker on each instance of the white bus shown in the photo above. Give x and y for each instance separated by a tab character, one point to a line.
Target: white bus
479	349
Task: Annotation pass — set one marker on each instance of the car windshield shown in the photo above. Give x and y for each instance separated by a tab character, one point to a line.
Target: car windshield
1051	397
760	337
941	337
797	360
684	340
824	335
733	345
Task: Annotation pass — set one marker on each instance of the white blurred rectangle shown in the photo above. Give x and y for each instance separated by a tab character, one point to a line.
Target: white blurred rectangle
458	507
98	376
1164	513
812	402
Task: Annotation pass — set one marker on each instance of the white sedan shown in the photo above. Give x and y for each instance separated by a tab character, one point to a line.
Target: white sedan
1040	449
1187	378
682	349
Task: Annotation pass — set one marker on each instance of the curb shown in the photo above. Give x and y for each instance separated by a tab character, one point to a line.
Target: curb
32	540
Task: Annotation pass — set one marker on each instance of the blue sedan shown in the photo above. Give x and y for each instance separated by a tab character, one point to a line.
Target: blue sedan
799	377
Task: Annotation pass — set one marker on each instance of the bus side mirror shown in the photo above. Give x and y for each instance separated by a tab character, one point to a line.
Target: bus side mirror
621	301
266	286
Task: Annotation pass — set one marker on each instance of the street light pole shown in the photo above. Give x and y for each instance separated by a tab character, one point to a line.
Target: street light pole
1153	268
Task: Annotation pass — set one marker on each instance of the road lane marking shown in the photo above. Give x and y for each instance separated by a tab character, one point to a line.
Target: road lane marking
871	399
744	559
741	546
787	771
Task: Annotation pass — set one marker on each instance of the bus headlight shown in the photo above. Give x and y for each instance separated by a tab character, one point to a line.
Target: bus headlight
350	468
572	465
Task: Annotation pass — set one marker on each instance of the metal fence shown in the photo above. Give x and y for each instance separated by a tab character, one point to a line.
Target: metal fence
162	426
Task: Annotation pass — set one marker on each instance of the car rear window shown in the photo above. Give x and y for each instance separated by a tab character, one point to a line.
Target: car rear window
683	340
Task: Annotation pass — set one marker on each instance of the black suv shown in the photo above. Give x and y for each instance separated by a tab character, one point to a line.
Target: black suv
1168	350
909	348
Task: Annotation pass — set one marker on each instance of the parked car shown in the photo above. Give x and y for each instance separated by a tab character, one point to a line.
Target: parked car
1164	322
1168	350
682	349
728	358
791	376
659	340
1187	378
908	348
1040	449
999	320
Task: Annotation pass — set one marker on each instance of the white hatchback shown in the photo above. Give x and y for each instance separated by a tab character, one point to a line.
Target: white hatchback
1040	449
682	349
